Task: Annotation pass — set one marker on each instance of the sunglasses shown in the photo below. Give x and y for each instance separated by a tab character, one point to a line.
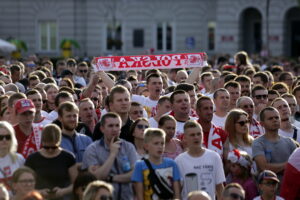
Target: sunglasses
94	98
50	147
105	197
6	137
236	196
242	123
140	126
272	183
83	71
248	106
137	112
263	96
27	181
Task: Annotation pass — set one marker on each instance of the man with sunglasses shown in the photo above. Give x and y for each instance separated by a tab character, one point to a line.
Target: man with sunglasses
83	71
246	104
260	98
233	191
72	66
271	151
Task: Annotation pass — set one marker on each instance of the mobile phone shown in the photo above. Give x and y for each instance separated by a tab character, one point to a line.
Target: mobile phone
191	182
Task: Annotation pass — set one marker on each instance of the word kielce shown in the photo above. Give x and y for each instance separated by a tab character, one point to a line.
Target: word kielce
166	61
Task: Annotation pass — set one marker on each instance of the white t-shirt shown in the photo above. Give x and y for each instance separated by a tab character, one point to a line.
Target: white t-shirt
219	121
149	105
179	127
53	115
276	198
201	173
44	114
290	134
43	122
8	167
153	123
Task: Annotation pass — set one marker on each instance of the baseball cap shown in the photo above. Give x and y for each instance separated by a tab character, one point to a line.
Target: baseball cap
267	175
23	105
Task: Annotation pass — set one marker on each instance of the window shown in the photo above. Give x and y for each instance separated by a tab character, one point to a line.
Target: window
211	35
48	36
164	37
114	38
138	38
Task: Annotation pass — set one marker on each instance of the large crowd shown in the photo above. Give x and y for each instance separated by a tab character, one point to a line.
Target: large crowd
228	131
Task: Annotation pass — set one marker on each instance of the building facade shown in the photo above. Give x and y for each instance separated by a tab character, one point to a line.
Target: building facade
127	27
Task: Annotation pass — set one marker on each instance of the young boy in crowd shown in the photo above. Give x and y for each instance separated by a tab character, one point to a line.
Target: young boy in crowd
268	183
200	168
154	143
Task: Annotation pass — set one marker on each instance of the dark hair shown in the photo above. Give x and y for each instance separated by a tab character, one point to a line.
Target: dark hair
204	75
49	80
215	95
176	93
14	97
202	98
32	92
283	75
296	89
108	115
61	95
276	68
134	124
273	92
242	78
233	84
185	87
231	185
82	180
255	88
263	76
66	106
153	75
229	77
262	112
163	99
133	103
165	118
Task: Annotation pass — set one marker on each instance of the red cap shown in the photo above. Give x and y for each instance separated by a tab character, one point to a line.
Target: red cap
23	105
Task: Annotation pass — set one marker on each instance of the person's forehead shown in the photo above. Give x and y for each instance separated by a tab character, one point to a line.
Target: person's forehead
222	93
236	190
270	113
181	96
191	130
155	79
121	94
86	104
112	120
261	91
279	102
206	102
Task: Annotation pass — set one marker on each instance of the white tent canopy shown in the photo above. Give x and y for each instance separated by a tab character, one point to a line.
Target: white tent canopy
6	47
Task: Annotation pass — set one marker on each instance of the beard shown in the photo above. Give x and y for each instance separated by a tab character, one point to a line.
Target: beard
69	127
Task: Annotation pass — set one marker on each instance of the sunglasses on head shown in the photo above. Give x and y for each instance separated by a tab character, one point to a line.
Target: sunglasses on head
105	197
6	137
263	96
83	71
140	126
50	147
236	196
242	123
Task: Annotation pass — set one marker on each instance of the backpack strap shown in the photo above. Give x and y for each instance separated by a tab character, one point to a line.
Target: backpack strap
295	133
148	164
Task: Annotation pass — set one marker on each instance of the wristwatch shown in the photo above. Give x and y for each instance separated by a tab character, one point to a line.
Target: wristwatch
110	178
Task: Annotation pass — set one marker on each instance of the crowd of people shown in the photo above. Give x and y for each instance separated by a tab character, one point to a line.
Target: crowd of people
228	131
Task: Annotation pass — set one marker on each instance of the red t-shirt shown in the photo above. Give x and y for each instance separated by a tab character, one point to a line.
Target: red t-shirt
21	138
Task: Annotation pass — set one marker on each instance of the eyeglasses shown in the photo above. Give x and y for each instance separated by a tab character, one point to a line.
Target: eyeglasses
248	106
141	126
137	112
94	99
236	196
271	183
27	181
262	96
83	71
6	137
105	197
50	147
242	123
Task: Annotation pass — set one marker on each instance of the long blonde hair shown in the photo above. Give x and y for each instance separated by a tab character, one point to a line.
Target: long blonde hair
14	143
231	120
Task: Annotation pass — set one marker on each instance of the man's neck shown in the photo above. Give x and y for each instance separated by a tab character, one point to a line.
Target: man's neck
90	123
155	160
38	117
139	143
196	151
68	132
124	118
286	126
153	97
205	125
221	113
51	106
271	135
268	197
181	117
26	129
157	116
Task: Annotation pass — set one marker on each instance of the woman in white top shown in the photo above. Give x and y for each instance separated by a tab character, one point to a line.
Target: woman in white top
10	160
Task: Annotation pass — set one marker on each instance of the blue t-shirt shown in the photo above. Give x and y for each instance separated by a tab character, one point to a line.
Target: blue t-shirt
167	169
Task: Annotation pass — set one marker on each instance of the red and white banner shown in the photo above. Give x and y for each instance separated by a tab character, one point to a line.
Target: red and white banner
166	61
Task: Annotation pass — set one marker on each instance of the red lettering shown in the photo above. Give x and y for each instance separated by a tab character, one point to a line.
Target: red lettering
217	143
166	60
157	62
146	61
176	58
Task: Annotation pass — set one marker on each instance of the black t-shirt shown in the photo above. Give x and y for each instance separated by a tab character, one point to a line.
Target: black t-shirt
124	132
51	172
